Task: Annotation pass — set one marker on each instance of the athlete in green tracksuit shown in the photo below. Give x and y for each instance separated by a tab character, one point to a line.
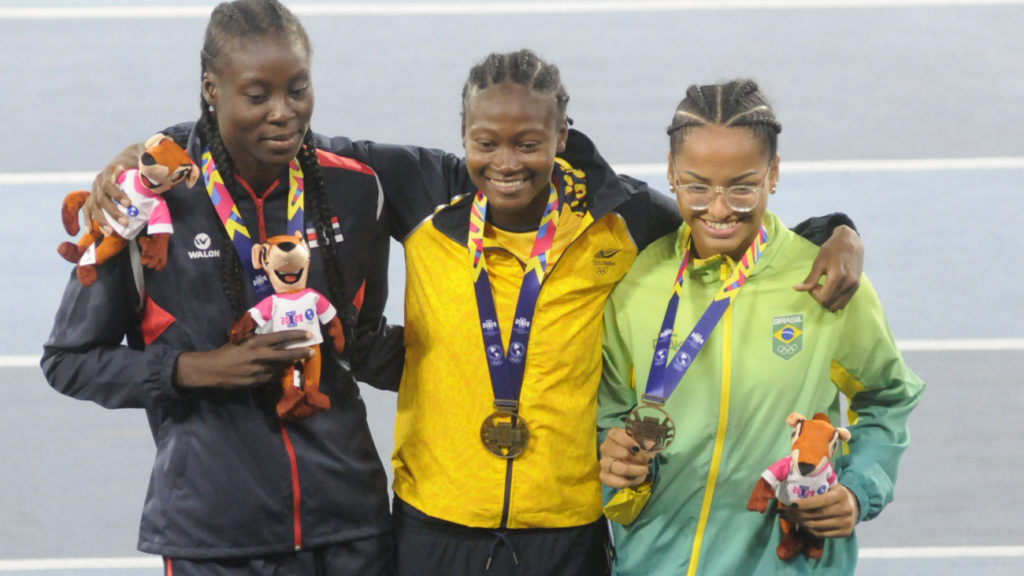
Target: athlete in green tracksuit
774	351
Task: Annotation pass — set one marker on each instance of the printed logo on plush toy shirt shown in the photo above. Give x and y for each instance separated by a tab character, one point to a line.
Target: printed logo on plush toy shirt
291	318
800	492
787	335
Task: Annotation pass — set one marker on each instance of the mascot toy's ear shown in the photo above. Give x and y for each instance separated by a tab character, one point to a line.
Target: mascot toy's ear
259	256
154	140
794	418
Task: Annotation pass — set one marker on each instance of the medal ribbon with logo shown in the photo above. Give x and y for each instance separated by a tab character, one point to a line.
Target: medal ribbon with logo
232	219
649	424
504	433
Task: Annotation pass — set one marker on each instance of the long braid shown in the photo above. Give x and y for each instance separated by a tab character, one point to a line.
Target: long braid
232	275
733	103
316	194
229	23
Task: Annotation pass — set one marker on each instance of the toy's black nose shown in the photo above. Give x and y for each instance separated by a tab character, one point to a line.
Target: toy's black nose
805	468
147	159
286	246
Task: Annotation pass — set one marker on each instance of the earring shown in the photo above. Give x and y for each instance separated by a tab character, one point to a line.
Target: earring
773	190
211	112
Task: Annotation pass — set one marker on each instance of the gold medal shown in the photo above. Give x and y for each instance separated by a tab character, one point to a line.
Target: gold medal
505	434
651	427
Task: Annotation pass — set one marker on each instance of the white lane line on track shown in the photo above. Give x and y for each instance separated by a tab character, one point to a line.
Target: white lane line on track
136	562
945	552
491	8
845	166
975	345
795	167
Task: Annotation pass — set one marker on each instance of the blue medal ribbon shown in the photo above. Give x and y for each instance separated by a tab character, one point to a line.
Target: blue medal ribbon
506	370
230	217
666	375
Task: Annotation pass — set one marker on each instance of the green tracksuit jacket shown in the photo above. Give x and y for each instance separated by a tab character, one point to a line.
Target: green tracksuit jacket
731	406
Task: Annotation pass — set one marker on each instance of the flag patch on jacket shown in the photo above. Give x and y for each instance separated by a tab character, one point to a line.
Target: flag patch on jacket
335	228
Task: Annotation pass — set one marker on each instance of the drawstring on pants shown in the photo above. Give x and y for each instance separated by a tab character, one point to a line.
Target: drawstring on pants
500	537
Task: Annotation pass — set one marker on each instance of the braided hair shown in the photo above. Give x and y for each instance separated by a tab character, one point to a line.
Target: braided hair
523	68
246	19
733	103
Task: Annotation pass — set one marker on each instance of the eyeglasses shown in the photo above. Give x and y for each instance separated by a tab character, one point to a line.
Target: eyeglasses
740	198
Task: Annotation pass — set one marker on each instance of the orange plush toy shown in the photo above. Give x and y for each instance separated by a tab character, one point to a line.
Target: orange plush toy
292	307
807	471
161	166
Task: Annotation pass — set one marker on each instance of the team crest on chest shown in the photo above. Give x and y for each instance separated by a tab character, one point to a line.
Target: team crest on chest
787	335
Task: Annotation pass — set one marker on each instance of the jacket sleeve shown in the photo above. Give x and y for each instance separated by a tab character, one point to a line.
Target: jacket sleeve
415	180
649	214
818	229
883	391
179	133
616	393
378	355
85	356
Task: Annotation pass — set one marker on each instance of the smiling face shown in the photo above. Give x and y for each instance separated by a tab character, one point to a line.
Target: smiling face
723	156
262	95
511	136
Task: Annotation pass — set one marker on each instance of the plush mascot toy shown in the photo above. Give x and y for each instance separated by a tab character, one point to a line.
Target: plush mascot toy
292	306
161	166
807	471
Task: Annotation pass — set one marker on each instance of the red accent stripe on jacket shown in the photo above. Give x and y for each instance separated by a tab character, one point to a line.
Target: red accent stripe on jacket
334	161
296	496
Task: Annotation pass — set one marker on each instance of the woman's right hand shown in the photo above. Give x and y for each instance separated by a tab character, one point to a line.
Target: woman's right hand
623	462
106	194
256	360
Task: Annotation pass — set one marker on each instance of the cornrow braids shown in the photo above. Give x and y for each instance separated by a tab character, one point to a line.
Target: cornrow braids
244	19
316	194
733	103
523	68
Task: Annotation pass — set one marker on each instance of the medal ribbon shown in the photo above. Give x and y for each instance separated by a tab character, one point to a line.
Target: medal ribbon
232	219
507	369
664	376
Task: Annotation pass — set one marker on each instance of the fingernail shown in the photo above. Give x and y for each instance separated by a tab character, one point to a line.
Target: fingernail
634	449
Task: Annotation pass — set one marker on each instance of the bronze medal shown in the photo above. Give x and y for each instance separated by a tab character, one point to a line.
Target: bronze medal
651	427
505	434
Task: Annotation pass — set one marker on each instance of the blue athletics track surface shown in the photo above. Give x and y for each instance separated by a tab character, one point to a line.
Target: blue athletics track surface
907	115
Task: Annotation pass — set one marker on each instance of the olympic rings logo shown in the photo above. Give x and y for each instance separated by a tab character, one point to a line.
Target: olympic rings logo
787	349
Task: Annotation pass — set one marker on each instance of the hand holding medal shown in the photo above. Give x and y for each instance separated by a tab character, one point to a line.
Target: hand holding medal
624	463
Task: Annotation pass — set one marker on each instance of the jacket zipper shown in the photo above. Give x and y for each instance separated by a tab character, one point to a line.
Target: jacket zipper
507	499
296	494
507	503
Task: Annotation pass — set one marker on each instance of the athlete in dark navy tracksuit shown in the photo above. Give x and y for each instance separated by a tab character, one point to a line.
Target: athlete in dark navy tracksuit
233	489
229	479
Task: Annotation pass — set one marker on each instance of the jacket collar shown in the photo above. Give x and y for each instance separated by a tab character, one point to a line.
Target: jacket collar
718	268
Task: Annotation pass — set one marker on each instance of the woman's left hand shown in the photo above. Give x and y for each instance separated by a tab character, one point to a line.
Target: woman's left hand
831	515
841	261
